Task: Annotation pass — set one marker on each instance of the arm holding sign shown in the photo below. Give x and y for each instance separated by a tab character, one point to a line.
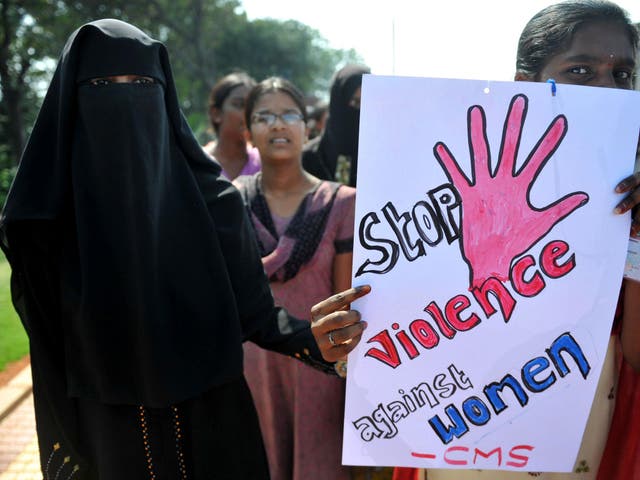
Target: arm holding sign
630	185
630	334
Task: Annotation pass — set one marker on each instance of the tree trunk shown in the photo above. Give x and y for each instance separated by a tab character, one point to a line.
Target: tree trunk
10	88
12	98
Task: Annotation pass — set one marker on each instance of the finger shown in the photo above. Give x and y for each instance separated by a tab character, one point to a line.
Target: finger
338	301
334	321
339	352
629	183
344	339
544	149
346	334
628	202
557	211
479	145
511	135
450	166
566	205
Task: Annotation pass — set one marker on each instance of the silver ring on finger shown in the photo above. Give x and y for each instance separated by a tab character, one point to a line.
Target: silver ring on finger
331	340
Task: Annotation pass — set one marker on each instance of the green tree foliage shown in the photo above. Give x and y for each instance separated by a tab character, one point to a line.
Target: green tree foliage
206	39
285	48
25	46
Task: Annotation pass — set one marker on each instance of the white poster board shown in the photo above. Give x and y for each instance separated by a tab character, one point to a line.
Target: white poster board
494	283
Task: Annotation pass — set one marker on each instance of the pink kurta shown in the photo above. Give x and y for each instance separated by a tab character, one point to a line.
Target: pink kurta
301	409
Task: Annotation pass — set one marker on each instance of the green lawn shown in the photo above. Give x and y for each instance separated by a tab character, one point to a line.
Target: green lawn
13	339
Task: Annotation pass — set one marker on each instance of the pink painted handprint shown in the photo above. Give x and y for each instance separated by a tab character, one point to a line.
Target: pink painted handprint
498	221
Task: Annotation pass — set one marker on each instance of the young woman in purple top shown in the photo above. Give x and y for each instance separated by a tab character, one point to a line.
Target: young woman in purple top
226	113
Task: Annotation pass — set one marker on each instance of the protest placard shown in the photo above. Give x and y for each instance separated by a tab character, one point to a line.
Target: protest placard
485	226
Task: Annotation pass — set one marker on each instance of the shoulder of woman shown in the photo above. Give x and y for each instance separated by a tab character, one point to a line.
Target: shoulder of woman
345	198
224	201
242	182
209	148
253	156
346	192
248	186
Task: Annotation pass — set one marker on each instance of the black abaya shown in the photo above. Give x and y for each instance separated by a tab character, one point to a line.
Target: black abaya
137	277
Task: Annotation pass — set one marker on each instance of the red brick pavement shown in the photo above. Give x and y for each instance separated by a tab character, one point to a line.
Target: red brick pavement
18	442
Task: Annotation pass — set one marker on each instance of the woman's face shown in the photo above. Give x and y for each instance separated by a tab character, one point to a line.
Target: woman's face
230	115
600	55
277	127
354	101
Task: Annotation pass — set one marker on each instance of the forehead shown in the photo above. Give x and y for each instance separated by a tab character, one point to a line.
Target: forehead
241	91
107	48
277	99
608	41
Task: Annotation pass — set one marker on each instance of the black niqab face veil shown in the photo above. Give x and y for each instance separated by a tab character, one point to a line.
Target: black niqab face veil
344	120
340	137
124	201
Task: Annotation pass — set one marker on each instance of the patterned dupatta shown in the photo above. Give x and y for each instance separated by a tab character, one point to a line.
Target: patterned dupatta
282	257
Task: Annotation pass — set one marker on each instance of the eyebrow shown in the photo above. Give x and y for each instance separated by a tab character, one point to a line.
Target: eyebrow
592	58
288	110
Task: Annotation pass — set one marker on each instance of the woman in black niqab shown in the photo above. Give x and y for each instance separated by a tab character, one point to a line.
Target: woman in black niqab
334	155
136	276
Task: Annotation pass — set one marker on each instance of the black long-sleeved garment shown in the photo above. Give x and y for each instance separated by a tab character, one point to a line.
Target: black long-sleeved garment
135	271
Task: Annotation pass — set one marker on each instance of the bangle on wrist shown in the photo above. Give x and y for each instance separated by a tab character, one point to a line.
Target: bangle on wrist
341	368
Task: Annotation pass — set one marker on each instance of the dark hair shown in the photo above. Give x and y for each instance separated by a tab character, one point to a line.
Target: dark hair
317	110
223	88
271	85
551	30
